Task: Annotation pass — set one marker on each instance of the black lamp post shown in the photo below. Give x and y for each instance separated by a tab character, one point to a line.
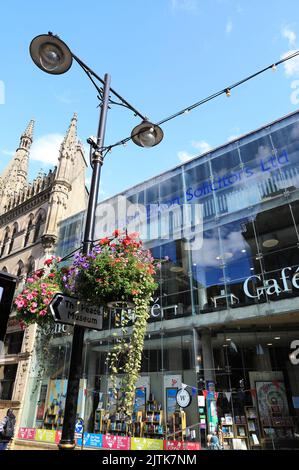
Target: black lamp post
53	56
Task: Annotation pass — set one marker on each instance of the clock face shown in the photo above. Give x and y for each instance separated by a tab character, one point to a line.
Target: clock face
183	398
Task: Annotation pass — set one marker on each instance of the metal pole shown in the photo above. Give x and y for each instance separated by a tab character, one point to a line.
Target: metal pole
67	441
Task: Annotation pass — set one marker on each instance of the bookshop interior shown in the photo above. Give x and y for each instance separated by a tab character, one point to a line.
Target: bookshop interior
250	399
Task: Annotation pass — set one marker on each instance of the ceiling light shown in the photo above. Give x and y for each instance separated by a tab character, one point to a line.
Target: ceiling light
277	337
243	251
228	339
270	240
269	344
176	269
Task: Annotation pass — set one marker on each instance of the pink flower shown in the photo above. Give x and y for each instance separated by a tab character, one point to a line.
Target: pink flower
30	296
32	310
44	285
20	303
30	280
43	312
134	235
46	301
33	305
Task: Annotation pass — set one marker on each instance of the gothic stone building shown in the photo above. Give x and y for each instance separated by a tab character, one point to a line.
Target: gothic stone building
29	218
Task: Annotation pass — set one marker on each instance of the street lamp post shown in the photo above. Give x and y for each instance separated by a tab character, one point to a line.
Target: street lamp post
53	56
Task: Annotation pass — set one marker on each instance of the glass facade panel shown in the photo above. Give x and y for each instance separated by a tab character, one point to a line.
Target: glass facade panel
225	313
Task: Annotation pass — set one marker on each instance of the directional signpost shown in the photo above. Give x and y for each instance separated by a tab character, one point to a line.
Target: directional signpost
73	311
79	431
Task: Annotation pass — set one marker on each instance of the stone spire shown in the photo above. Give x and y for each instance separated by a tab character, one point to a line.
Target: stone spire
27	136
14	177
67	153
70	139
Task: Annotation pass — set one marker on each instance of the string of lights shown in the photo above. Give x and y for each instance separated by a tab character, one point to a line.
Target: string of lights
226	90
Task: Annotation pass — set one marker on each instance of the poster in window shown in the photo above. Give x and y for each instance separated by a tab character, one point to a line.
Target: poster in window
271	398
140	399
171	403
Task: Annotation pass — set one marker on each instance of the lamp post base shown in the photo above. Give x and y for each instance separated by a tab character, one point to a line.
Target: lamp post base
66	445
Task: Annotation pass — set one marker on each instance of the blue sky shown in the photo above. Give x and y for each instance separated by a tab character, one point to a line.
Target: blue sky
162	55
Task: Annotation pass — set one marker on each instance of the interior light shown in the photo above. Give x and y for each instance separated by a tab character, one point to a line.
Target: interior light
270	240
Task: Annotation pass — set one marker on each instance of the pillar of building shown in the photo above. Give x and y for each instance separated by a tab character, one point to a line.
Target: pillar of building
207	355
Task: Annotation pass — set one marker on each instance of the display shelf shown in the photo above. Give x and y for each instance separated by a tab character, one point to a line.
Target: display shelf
277	426
177	425
240	429
227	430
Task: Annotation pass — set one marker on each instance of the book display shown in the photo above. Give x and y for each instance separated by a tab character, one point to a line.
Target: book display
53	418
253	429
153	419
177	426
145	424
227	429
241	431
118	425
277	427
137	424
101	421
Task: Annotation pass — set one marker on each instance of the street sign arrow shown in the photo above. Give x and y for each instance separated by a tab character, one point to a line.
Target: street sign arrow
73	311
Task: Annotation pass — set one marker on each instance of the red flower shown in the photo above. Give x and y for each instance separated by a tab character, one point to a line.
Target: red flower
48	262
116	233
51	275
40	273
104	241
126	241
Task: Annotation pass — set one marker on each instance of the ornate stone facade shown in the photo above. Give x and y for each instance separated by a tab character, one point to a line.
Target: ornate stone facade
29	217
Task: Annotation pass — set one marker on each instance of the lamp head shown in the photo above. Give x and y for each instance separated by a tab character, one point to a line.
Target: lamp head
50	54
147	134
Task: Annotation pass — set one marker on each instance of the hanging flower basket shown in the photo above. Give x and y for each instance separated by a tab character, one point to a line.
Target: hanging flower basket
32	303
118	273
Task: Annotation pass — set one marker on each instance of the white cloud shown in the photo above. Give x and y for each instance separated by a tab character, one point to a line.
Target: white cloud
184	5
229	27
66	97
46	149
200	145
289	35
185	156
7	152
291	67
